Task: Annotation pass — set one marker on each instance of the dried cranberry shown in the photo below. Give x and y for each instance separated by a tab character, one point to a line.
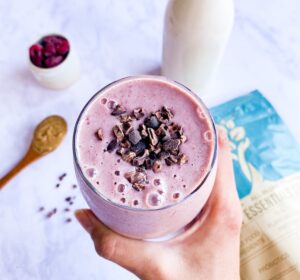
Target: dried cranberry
63	48
53	61
35	53
49	50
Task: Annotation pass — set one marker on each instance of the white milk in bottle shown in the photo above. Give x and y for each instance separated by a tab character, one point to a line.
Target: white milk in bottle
195	36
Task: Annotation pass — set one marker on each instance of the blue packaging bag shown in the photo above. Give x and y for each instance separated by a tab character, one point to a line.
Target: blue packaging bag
266	160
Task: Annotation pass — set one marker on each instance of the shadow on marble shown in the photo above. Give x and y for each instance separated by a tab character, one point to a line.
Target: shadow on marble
155	71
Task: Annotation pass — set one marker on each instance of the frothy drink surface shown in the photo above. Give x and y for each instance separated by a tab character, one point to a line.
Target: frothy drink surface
106	171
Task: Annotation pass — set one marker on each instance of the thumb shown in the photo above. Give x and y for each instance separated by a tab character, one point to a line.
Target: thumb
134	255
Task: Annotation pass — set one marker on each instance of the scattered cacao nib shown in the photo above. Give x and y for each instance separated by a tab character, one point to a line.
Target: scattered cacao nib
152	122
157	166
99	134
128	156
69	198
138	113
152	136
117	130
138	187
68	220
171	145
118	110
112	145
117	173
62	176
57	185
125	119
134	137
67	209
51	213
74	186
41	209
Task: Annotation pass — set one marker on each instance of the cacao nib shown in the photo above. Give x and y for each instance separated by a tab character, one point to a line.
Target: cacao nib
138	113
138	187
171	145
134	137
99	134
118	110
139	147
152	122
112	145
152	136
117	130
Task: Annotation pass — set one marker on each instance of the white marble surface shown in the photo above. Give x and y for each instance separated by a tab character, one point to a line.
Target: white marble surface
114	39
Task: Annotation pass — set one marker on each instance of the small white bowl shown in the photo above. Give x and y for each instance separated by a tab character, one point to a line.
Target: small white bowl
61	76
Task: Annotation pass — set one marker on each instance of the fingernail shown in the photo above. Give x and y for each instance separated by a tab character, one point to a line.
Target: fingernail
83	217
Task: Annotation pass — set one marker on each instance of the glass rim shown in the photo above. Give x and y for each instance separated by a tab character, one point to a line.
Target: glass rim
159	78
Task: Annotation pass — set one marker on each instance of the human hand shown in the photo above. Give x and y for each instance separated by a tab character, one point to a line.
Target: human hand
208	249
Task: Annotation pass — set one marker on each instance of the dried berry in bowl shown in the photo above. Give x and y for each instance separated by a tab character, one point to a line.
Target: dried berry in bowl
50	51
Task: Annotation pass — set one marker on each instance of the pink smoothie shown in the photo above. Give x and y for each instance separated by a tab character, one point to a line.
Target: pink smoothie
177	192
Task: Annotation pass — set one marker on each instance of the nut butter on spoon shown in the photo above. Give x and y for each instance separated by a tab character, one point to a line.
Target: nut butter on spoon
46	138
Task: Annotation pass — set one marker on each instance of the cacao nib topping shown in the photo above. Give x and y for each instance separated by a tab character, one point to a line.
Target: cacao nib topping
152	136
117	130
118	110
138	113
127	128
139	161
154	144
121	151
125	144
139	147
136	177
152	122
128	156
163	155
125	119
134	137
143	131
171	145
99	134
112	145
149	163
138	187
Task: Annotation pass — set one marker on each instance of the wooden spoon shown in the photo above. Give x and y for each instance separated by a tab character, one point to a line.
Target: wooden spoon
46	138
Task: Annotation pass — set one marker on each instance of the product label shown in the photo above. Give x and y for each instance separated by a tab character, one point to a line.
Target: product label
266	161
